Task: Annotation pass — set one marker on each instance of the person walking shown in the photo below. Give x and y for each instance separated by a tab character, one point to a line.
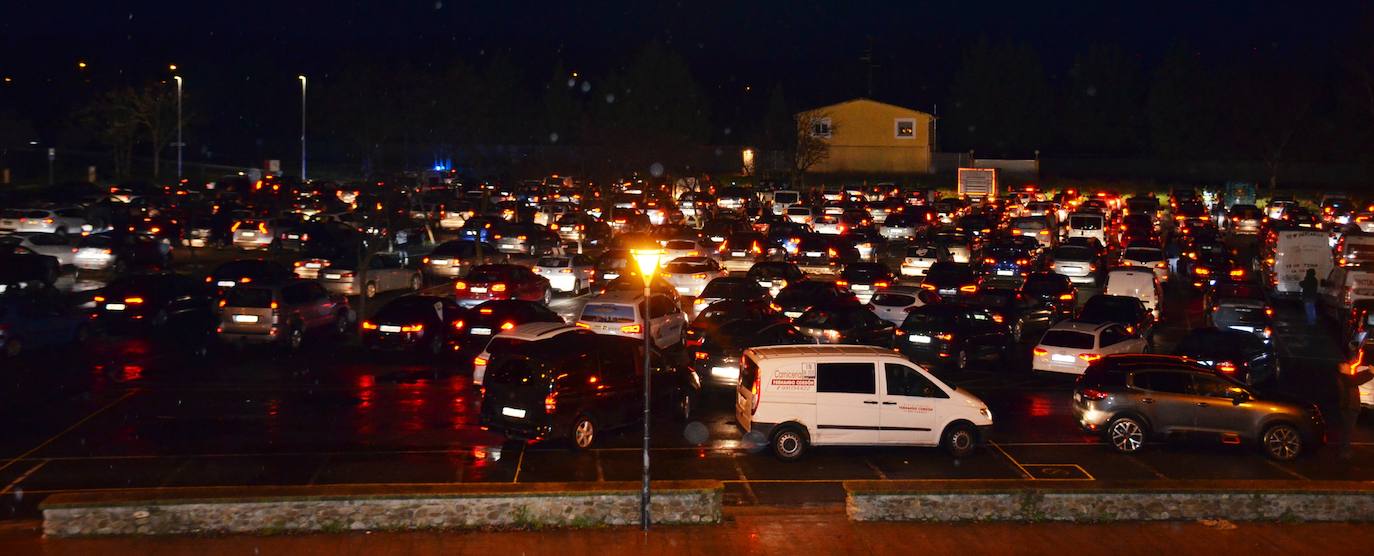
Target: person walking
1309	295
1349	403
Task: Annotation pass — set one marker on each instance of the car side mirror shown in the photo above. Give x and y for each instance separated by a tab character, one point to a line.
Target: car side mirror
1239	396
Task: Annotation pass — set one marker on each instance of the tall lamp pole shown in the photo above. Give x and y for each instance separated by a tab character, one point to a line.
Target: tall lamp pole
302	78
648	264
180	144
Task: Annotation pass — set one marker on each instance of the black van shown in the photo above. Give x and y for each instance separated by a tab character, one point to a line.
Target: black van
575	386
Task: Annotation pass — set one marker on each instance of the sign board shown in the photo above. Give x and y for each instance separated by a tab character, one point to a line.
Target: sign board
273	167
978	182
52	154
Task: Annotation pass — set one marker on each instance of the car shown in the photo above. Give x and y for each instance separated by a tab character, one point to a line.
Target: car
775	275
721	312
796	298
514	336
920	255
1007	264
821	254
247	271
1121	309
60	222
501	281
689	275
951	280
427	323
1131	399
893	303
385	272
795	397
715	358
1146	257
1240	307
158	300
1077	262
41	321
569	273
954	334
1141	284
1037	227
1234	353
574	387
623	313
21	267
845	323
732	288
453	259
281	313
491	317
95	252
679	247
1025	316
740	251
1070	346
44	243
1055	290
255	233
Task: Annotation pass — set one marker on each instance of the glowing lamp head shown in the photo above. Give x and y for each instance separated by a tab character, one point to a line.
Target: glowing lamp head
648	262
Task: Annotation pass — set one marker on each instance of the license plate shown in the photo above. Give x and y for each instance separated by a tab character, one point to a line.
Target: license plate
1061	358
482	331
610	276
948	291
1244	328
765	283
389	328
312	265
246	234
683	289
918	339
813	253
114	307
513	412
293	236
479	290
859	287
792	314
439	262
245	318
737	254
225	283
333	276
1005	273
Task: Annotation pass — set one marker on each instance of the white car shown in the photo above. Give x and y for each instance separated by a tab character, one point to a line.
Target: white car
1139	283
43	243
799	215
1147	257
506	339
827	224
1076	262
689	275
568	274
674	248
619	313
94	252
919	258
1070	346
791	398
60	222
892	304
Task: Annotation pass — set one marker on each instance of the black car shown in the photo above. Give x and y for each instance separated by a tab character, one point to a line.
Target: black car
1023	315
951	280
576	386
845	323
954	334
1234	353
1054	289
715	358
161	300
21	268
719	313
795	299
427	323
823	253
733	288
866	278
1007	262
491	317
246	271
1121	309
775	275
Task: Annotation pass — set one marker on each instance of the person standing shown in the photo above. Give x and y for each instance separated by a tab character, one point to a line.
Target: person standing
1349	384
1309	295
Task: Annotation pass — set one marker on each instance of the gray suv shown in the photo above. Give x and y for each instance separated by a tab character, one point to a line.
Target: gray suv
281	313
1132	398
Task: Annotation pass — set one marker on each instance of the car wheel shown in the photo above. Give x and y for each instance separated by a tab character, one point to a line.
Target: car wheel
684	406
548	296
370	290
789	444
341	325
583	432
961	360
1016	332
417	282
959	440
14	347
1282	442
436	345
295	337
1126	434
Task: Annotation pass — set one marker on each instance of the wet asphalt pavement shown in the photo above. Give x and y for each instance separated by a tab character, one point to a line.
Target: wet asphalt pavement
132	412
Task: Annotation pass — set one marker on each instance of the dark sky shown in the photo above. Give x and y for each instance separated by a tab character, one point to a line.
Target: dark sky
253	49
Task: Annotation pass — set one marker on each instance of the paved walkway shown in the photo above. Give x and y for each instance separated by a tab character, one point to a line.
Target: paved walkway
757	531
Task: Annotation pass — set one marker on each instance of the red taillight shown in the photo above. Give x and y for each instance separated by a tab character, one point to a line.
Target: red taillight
479	361
880	284
1226	367
969	288
1066	297
551	402
1092	394
842	283
134	300
368	325
1268	311
413	328
926	286
458	324
1089	357
507	325
1040	351
580	324
460	285
498	287
631	329
700	355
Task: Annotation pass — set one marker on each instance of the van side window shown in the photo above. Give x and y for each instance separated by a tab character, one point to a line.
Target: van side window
906	381
1163	381
845	378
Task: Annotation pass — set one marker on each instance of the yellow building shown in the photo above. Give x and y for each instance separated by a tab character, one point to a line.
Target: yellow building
870	137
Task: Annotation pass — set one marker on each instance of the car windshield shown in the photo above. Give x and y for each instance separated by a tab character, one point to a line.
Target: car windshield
607	312
554	262
1143	255
730	288
489	275
680	245
1067	339
258	298
950	274
894	299
455	249
688	265
1073	253
801	294
1044	285
1085	222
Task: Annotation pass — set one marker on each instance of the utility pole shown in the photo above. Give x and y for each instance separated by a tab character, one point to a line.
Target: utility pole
867	59
180	144
302	78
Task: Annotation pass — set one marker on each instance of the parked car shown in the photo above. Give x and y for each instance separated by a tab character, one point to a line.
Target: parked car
845	323
492	317
44	243
1079	263
733	288
951	280
570	273
1236	354
775	275
1131	399
715	359
247	271
1053	289
624	313
794	396
453	259
796	298
282	312
689	275
160	300
866	279
504	340
502	281
427	323
578	387
954	334
35	322
385	272
893	303
1070	346
1025	316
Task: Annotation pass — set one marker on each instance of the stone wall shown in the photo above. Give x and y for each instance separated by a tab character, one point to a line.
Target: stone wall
339	508
1095	502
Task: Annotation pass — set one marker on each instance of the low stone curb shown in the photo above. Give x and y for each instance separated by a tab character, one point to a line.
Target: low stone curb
1097	501
271	510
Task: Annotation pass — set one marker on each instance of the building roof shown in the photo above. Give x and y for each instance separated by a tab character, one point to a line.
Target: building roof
862	100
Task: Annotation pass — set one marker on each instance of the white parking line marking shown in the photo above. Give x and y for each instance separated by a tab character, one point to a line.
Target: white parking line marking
600	475
879	472
1024	474
21	478
1286	470
748	490
518	464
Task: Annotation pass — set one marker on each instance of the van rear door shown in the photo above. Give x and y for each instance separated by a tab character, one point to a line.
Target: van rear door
846	404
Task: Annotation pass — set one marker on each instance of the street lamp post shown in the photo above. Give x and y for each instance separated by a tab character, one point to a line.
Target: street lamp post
648	264
302	78
180	144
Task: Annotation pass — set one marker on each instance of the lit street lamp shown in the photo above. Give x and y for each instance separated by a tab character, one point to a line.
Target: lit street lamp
302	78
648	264
180	144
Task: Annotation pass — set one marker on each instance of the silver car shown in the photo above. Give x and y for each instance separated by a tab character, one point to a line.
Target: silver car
43	243
385	272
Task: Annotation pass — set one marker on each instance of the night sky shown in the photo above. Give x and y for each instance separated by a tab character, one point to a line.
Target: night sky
244	56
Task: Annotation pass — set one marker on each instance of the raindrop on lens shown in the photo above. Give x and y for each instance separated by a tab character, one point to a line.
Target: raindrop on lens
610	98
696	433
656	169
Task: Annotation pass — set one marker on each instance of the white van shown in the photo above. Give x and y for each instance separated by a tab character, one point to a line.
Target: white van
1344	286
795	397
1140	283
1295	251
1088	224
621	313
783	199
1354	248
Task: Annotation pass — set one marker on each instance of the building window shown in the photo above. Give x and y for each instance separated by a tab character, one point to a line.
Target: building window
906	128
821	128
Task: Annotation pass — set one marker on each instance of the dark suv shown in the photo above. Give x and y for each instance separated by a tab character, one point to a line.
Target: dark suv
1132	398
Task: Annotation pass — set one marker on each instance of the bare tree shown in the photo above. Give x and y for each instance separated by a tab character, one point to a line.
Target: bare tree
812	147
153	109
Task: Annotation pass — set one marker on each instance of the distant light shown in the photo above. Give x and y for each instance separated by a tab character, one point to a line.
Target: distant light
9	79
33	142
172	67
300	77
574	74
81	64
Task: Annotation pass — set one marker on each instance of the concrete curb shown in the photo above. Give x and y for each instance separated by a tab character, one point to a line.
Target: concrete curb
334	508
1018	500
